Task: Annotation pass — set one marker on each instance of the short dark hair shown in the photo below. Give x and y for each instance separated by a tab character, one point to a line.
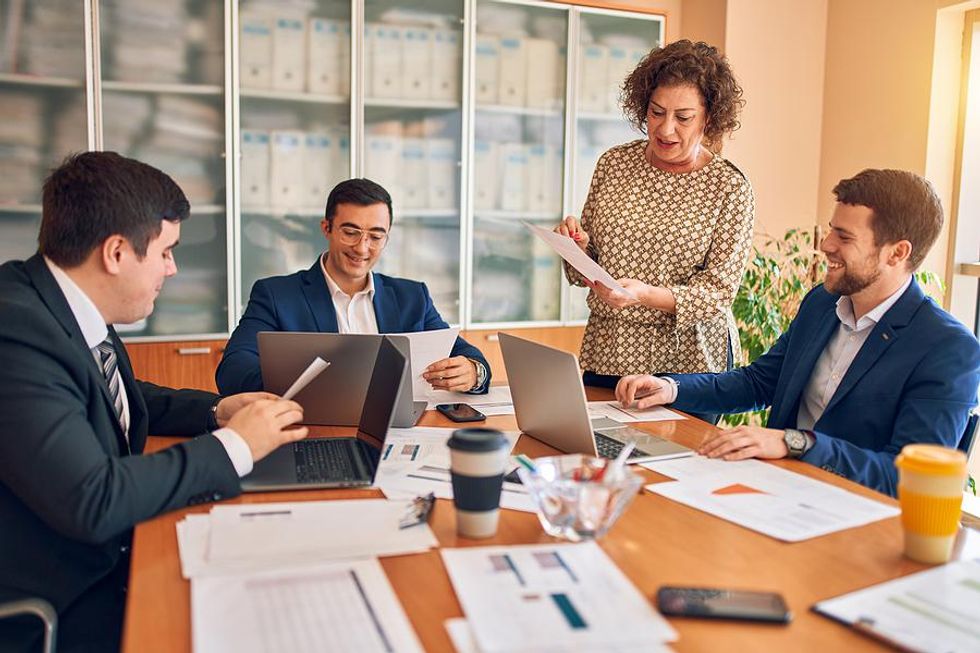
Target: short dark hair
904	207
362	192
684	62
94	195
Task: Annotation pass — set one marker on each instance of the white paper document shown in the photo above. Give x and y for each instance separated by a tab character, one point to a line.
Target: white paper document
612	410
497	400
427	347
415	461
566	248
766	498
304	379
346	606
312	530
933	610
551	597
463	641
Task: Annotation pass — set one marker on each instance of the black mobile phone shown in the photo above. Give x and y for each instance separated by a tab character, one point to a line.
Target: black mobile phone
712	603
461	412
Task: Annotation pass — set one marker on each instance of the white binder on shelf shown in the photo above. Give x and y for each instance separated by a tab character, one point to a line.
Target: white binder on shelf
487	78
255	58
442	173
446	64
513	176
382	159
513	71
289	53
542	73
413	174
286	169
385	75
324	62
255	168
592	78
545	281
345	60
485	186
319	152
417	63
544	174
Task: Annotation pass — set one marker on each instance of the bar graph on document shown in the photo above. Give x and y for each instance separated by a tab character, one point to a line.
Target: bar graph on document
542	597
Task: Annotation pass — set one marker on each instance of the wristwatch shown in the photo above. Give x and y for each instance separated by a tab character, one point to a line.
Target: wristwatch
213	415
481	374
797	442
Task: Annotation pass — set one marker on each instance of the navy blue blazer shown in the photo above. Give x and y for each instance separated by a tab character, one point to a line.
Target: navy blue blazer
301	302
914	380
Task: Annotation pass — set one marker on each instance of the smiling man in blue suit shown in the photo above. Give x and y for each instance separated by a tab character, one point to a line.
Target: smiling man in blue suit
340	294
868	365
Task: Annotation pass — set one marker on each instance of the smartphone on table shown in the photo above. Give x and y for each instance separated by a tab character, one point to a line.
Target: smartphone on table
711	603
461	412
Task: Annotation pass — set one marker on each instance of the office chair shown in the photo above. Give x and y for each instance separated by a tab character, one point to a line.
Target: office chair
969	438
39	608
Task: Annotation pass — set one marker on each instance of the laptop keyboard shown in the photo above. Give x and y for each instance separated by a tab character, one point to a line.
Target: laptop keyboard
609	448
324	460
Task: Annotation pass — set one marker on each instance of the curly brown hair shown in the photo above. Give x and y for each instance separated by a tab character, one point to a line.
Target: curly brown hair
684	62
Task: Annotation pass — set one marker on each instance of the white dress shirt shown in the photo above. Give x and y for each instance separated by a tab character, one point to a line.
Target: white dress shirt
838	355
354	314
94	330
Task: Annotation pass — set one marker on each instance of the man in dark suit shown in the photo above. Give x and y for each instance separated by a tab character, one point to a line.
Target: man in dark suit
74	420
868	365
340	294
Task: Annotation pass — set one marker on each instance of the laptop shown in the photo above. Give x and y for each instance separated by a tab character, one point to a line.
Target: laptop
339	462
334	398
549	401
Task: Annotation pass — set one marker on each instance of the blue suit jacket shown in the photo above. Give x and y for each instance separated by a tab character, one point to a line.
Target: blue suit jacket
914	380
301	302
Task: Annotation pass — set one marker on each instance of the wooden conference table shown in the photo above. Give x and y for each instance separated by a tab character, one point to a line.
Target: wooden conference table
656	542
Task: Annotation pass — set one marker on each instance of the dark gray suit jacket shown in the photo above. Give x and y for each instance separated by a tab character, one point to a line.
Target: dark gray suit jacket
70	491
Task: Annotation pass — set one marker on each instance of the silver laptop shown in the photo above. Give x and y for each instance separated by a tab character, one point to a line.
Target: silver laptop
549	400
339	462
334	398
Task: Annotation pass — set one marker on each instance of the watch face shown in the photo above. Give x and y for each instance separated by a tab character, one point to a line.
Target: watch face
796	441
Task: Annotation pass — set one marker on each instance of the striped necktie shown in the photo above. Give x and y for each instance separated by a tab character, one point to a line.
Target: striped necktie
110	368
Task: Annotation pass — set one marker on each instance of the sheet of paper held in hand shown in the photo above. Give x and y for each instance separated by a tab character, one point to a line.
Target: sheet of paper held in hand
312	371
566	248
549	597
766	498
427	347
348	606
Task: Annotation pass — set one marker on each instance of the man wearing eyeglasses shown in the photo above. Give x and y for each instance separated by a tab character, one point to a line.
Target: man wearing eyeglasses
340	294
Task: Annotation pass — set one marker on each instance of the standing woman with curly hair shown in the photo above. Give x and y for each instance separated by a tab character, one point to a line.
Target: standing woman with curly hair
671	219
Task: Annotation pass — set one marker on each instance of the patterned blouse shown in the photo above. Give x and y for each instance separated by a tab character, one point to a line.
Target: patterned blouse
689	232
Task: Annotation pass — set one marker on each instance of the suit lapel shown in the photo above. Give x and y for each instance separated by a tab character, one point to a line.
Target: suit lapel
50	293
385	306
318	299
803	367
881	338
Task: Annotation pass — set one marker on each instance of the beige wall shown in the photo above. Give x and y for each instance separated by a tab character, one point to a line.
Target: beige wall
704	20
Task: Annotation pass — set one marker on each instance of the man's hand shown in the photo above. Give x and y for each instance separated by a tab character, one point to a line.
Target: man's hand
573	229
230	405
616	299
457	374
744	442
263	424
646	390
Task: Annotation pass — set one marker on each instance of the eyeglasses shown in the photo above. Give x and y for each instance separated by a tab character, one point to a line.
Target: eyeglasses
352	236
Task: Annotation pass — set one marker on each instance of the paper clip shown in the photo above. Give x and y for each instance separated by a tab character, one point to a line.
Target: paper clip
418	511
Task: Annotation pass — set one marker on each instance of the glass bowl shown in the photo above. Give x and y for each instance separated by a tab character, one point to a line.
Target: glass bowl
574	498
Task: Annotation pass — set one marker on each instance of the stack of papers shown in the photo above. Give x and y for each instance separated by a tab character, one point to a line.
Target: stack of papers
551	597
253	537
765	498
612	410
415	462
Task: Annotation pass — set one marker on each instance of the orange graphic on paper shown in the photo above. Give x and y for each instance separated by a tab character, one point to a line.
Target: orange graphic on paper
738	488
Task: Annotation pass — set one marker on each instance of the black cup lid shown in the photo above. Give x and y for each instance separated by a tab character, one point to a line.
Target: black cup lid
477	440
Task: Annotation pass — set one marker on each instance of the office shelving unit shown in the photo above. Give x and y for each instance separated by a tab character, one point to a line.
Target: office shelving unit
175	84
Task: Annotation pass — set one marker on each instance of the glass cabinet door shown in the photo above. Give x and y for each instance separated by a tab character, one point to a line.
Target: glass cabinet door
43	115
412	145
519	141
163	103
294	76
610	47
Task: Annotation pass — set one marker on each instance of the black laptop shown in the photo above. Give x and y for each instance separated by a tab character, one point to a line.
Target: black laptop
339	462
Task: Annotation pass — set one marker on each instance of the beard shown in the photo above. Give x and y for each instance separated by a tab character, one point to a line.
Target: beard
852	282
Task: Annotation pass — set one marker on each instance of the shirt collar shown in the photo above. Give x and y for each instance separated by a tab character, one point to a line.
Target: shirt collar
89	319
845	309
335	289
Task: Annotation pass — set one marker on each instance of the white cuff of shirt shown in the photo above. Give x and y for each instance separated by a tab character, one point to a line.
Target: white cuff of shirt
670	393
237	450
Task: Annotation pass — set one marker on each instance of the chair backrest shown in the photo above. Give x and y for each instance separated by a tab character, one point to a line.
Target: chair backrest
39	608
969	438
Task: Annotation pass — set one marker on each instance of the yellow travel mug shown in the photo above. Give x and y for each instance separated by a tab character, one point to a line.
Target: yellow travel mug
930	491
